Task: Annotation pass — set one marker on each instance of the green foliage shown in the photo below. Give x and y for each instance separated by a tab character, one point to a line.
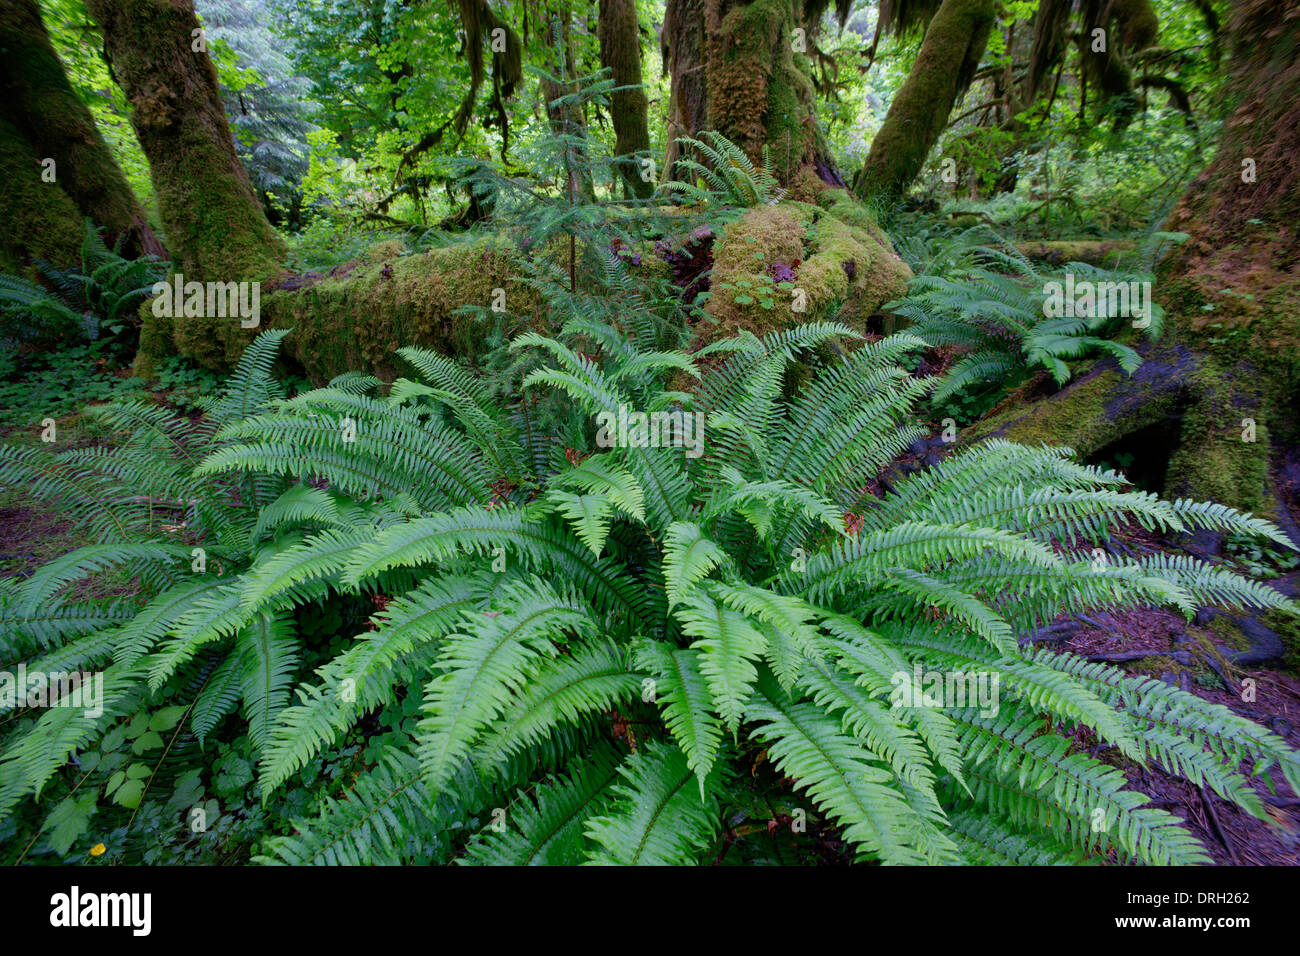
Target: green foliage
177	539
617	647
723	174
994	308
97	302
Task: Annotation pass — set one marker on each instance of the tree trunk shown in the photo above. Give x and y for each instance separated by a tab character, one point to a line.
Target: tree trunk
620	53
739	68
950	53
212	219
42	106
682	50
1221	383
42	221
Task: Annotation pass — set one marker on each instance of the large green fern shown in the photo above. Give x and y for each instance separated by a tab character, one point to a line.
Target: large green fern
621	649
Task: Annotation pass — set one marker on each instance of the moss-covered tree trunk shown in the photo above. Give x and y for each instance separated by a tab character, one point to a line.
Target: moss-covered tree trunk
213	222
41	105
42	221
950	52
739	67
620	52
1221	383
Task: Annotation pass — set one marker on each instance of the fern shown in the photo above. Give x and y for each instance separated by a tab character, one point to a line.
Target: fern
617	649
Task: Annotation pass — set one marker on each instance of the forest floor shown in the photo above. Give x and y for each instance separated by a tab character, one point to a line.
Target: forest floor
1230	834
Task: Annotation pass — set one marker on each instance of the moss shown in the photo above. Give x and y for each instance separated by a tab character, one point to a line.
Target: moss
842	270
1213	462
214	225
43	106
1138	22
1080	423
42	221
1112	253
386	250
1224	629
760	92
156	342
359	316
954	42
1155	666
358	321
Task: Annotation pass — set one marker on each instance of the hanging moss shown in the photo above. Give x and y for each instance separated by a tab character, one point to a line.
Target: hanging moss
837	269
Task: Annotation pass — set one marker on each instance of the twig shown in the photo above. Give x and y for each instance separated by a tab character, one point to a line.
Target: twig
1218	827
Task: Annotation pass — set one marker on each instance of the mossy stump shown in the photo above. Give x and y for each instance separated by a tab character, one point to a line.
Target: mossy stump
796	262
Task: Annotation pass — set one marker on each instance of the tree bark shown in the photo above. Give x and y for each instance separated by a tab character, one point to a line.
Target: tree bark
210	214
42	220
950	53
682	51
41	105
620	52
739	67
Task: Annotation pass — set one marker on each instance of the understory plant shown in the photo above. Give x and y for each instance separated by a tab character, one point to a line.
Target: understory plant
990	304
637	647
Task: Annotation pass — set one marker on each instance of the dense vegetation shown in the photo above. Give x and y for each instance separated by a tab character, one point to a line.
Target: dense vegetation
701	432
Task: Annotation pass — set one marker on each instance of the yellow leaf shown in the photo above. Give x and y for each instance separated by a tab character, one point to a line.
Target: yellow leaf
98	849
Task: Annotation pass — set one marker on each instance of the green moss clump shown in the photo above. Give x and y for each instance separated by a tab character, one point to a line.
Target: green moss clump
843	271
359	321
385	250
1224	629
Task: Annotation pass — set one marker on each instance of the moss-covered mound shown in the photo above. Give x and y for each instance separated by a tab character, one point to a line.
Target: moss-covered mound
1111	253
796	262
359	315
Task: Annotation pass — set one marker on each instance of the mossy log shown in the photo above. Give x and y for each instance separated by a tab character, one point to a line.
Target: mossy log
1198	427
1111	253
356	317
359	315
